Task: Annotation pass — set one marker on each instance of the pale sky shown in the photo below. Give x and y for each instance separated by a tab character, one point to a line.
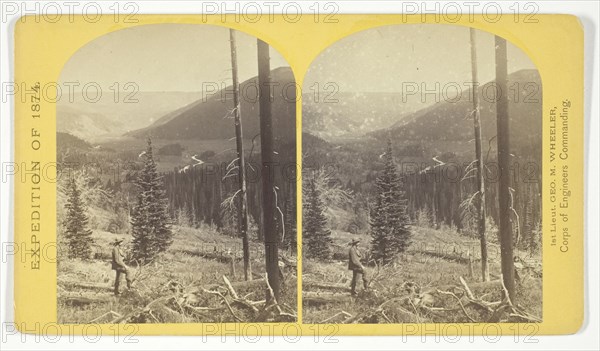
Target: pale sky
179	57
380	59
165	57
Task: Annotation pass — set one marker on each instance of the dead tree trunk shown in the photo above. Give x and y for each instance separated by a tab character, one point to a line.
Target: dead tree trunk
267	177
502	128
243	203
480	204
435	210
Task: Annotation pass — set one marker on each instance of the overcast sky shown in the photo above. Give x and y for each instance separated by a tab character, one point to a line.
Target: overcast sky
164	57
380	59
179	57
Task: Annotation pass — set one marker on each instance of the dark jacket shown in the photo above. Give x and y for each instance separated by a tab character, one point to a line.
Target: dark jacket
354	259
117	259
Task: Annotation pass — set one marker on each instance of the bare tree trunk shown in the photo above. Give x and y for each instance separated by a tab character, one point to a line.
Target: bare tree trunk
502	127
266	153
480	204
243	204
434	203
470	264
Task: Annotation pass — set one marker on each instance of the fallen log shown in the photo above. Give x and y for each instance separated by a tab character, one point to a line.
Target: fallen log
446	256
320	298
88	286
219	256
82	300
313	285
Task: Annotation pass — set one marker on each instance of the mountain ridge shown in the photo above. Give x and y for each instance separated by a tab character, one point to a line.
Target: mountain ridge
450	120
207	118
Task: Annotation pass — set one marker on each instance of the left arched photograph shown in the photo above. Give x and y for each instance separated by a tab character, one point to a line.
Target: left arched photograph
176	190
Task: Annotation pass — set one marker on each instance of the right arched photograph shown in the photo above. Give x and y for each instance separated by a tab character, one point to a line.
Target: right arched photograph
421	182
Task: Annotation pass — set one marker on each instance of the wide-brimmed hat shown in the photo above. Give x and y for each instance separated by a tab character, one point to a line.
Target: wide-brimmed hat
354	242
117	241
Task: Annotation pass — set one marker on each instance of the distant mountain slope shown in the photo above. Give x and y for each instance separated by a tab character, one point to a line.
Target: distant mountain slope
313	141
449	121
93	120
343	114
84	125
205	118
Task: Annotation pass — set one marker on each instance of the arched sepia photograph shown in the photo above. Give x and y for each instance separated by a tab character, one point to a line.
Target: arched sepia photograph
421	188
176	195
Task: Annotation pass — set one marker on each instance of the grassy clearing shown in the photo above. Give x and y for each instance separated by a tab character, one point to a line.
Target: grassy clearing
172	289
422	286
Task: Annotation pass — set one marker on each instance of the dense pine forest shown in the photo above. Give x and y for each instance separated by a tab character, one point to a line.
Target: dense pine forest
441	190
203	195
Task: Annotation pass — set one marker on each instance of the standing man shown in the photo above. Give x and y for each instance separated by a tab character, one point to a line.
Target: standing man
356	266
119	266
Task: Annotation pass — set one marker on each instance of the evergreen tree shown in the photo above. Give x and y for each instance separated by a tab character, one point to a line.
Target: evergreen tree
316	235
389	221
79	237
150	221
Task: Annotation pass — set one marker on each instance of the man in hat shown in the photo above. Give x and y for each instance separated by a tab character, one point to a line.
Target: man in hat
119	266
356	266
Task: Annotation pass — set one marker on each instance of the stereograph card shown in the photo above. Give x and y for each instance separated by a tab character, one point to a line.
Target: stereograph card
368	175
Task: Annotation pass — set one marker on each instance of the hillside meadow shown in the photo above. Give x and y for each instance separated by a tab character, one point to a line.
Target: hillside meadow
424	285
185	285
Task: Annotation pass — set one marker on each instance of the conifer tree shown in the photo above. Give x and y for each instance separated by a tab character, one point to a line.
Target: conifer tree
316	235
389	221
150	221
140	230
79	236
